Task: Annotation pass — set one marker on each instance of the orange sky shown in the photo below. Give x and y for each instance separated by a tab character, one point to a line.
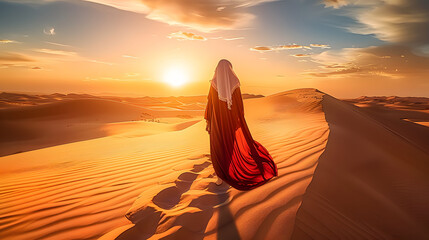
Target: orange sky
126	48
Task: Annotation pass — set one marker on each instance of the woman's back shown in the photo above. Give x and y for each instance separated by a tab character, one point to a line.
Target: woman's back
237	158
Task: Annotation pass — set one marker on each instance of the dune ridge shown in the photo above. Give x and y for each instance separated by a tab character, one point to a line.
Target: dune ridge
371	182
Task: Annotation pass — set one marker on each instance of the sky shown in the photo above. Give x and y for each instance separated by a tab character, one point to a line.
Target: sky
346	48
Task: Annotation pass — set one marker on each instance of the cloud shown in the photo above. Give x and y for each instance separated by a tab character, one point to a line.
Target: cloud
67	55
232	39
14	57
261	49
286	47
335	3
277	48
100	62
131	75
204	15
227	39
337	73
186	36
403	22
49	31
129	56
301	55
5	41
36	68
320	45
58	44
391	61
293	46
56	52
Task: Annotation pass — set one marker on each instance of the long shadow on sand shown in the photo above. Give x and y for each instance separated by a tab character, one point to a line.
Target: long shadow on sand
180	218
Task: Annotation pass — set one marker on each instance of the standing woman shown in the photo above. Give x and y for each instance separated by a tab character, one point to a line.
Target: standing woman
237	159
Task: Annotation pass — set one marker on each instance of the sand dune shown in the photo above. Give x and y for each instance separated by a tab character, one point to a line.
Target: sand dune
361	176
188	205
33	127
84	189
372	180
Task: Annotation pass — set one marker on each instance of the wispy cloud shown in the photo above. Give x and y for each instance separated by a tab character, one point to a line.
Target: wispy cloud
261	49
201	15
283	47
67	56
6	41
232	39
186	36
399	22
300	55
319	45
100	62
205	16
390	61
226	39
56	52
14	57
49	31
130	56
58	44
132	75
335	3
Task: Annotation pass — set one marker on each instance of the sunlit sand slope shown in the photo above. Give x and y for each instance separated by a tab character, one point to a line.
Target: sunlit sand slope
188	205
163	183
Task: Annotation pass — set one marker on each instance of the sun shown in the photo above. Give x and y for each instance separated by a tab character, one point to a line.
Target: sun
176	76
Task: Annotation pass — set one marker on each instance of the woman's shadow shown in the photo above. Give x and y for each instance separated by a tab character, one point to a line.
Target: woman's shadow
195	210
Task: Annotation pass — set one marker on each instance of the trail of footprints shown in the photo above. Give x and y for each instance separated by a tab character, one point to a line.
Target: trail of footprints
178	197
172	206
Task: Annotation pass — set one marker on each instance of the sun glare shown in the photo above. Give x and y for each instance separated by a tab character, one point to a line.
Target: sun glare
176	76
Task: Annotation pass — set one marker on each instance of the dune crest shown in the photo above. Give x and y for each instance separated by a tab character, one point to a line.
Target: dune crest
372	180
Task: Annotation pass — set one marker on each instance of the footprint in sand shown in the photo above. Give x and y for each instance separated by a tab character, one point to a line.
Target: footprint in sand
193	189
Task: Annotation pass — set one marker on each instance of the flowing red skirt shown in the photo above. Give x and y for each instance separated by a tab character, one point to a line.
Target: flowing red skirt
237	159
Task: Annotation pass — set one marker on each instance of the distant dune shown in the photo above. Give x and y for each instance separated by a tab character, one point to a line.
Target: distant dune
139	168
8	100
27	128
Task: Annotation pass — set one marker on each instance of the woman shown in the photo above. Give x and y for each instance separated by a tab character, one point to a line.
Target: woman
237	159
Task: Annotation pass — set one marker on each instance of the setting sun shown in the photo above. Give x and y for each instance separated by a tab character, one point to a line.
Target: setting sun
176	76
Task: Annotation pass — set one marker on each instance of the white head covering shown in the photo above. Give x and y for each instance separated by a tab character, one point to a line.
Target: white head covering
225	81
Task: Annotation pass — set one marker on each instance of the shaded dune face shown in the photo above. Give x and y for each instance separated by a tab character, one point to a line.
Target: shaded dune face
372	179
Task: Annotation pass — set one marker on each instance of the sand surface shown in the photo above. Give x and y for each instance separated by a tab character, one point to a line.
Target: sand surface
123	168
372	181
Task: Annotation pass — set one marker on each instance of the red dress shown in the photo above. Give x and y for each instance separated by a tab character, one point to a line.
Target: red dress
237	159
